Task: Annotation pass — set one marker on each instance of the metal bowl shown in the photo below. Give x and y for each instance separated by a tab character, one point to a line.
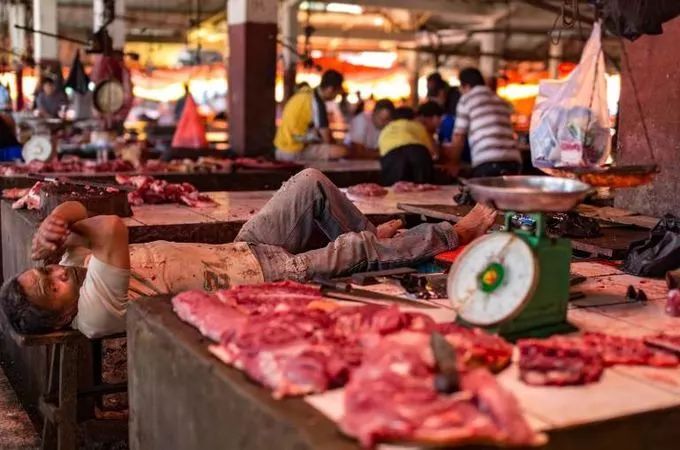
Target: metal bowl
529	193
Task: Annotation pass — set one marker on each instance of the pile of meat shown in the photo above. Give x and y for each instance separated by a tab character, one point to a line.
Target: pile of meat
152	191
67	165
572	360
287	338
367	190
201	165
264	164
407	186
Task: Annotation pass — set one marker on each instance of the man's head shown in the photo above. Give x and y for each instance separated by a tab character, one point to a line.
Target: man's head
434	82
470	78
382	113
404	113
430	115
331	84
42	299
48	86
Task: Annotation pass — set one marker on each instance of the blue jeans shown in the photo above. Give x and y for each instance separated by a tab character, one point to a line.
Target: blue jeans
280	234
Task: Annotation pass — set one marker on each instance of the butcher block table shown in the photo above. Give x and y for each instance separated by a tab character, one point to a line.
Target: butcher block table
183	397
169	222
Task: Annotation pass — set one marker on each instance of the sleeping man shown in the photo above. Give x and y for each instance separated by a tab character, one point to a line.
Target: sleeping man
99	271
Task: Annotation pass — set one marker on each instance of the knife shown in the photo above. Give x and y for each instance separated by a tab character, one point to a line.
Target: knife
446	378
345	291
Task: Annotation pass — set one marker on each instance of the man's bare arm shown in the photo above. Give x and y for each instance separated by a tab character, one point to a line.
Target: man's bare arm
326	136
105	236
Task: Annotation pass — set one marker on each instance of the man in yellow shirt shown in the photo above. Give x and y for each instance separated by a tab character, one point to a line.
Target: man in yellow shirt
304	132
407	148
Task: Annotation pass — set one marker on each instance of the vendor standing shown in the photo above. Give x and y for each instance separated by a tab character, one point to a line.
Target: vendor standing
484	119
50	100
304	132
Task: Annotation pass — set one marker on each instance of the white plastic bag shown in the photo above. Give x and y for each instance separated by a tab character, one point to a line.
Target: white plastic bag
570	121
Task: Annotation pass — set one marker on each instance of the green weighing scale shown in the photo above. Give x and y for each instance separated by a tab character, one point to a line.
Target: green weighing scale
516	282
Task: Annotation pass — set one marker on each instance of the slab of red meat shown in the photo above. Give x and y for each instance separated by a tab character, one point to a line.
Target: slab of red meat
30	200
407	186
367	190
629	351
559	361
269	297
667	342
568	360
477	348
391	397
206	312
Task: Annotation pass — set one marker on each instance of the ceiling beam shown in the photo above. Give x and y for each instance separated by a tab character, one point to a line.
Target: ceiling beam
545	6
476	8
363	33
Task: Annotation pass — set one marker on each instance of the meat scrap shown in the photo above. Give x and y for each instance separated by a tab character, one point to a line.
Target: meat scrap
391	398
558	362
31	199
152	191
566	360
407	186
367	190
14	193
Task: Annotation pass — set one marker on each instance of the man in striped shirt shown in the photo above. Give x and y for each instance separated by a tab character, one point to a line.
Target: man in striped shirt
484	118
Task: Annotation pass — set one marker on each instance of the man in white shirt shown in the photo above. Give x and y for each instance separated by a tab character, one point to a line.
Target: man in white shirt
364	130
99	272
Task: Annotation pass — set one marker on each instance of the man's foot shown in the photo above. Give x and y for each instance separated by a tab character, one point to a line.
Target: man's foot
388	229
476	223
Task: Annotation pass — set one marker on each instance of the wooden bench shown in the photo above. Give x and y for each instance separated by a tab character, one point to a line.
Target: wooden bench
59	402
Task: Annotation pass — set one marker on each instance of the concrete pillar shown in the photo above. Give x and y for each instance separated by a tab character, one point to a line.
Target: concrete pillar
17	43
289	35
117	28
45	48
490	45
252	75
652	71
17	37
555	53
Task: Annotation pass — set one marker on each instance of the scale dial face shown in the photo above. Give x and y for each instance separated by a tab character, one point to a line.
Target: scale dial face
493	279
37	148
109	97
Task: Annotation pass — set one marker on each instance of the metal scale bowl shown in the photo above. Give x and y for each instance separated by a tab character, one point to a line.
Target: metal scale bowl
516	282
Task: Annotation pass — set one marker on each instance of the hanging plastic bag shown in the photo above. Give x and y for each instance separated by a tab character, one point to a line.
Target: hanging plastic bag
570	121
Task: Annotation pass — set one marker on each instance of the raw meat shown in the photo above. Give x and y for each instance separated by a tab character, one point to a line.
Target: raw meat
367	190
287	338
407	186
667	342
14	193
580	359
263	164
68	164
391	397
152	191
629	351
206	312
30	200
558	362
673	303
